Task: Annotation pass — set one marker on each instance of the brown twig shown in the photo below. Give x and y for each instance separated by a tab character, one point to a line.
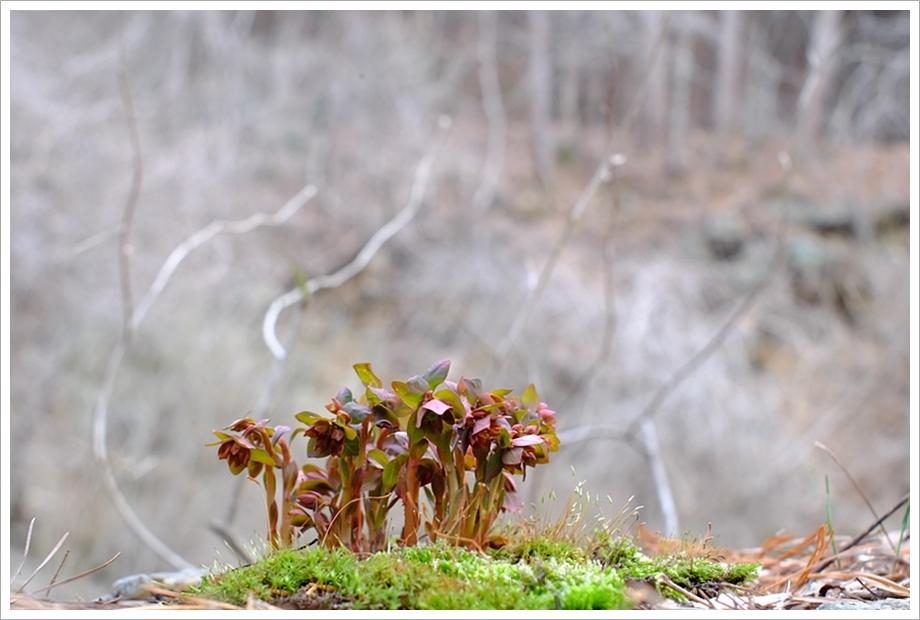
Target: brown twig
57	572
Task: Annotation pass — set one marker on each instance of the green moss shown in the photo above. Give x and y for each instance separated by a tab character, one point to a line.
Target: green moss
539	573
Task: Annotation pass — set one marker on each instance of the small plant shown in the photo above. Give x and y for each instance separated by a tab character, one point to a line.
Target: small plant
455	442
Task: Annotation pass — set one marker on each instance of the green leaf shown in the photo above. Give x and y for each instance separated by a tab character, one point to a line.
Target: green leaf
436	373
493	465
350	433
418	450
261	456
530	398
379	456
415	433
309	418
410	396
352	446
367	375
391	471
451	397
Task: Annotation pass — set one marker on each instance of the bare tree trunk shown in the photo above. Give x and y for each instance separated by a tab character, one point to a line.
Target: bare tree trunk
494	109
569	88
826	35
762	85
656	118
679	117
541	87
725	102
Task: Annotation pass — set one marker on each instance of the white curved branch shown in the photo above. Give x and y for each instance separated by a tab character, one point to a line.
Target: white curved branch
353	268
205	234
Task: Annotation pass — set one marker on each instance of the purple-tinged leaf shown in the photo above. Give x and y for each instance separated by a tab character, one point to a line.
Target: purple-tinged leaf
378	394
481	424
437	406
418	385
344	396
512	456
513	502
357	411
472	388
526	440
436	373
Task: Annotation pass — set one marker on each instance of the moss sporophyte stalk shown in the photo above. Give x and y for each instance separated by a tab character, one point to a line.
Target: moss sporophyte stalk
460	446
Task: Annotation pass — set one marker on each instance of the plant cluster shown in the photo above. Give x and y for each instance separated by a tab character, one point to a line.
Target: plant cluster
452	441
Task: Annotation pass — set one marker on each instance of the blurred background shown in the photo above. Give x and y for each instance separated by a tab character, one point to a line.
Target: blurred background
236	112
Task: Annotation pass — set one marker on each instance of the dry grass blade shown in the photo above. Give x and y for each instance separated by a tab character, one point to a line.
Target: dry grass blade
25	552
856	486
824	537
46	560
187	602
891	588
83	574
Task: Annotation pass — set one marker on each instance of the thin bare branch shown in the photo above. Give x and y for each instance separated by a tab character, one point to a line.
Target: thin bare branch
205	234
100	417
601	174
356	265
692	364
506	346
57	572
